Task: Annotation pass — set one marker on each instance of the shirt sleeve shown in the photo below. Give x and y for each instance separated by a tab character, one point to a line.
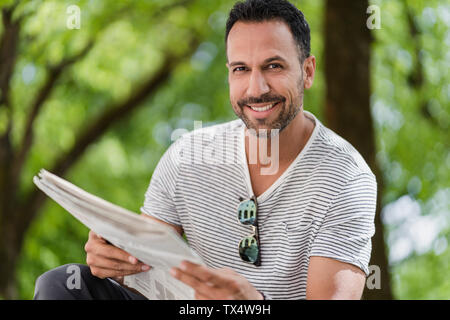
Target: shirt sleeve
347	229
159	197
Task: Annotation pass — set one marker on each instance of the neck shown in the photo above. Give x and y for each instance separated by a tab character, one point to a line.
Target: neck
291	142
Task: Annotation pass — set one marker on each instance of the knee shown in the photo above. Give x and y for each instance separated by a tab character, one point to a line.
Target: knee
54	284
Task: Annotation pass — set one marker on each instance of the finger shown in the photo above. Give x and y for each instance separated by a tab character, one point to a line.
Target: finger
95	236
199	296
103	273
196	284
99	246
110	251
103	239
204	273
113	264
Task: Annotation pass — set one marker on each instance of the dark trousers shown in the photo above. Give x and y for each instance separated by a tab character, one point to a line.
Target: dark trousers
75	282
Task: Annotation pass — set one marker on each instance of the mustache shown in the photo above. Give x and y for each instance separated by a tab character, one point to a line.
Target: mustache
265	98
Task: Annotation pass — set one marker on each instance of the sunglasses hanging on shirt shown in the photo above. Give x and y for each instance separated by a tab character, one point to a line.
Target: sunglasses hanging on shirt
249	247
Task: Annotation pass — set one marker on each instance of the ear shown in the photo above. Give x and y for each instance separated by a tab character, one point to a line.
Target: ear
309	69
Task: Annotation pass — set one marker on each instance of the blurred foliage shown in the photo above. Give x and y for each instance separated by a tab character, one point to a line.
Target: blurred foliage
412	120
423	276
130	40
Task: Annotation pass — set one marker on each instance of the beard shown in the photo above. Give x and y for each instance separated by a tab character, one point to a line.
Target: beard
286	113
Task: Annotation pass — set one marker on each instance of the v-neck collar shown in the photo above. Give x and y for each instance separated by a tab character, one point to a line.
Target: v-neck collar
266	194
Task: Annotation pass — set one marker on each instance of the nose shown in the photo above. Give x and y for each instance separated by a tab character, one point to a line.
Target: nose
257	85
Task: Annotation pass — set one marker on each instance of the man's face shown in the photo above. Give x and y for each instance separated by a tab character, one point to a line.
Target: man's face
265	75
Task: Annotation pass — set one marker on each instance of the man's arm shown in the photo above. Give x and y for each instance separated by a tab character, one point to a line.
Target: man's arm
341	250
332	279
178	229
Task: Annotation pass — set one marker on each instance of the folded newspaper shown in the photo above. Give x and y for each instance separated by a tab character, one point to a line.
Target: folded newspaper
151	242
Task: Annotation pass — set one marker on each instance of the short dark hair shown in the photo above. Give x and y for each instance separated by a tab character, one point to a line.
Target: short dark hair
265	10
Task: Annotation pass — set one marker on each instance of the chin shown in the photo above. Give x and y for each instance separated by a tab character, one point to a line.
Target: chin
263	131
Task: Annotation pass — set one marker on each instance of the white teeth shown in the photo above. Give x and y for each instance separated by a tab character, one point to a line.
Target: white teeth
260	109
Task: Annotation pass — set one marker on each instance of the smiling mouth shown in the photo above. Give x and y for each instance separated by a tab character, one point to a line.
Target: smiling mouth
263	108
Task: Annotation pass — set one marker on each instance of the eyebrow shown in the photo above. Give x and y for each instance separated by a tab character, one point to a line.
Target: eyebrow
268	60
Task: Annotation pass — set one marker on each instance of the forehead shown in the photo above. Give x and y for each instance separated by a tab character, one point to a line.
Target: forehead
260	40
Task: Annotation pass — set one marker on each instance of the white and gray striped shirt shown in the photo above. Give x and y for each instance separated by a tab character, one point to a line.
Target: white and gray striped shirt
322	205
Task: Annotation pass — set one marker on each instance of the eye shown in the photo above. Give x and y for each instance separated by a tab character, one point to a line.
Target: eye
239	69
274	66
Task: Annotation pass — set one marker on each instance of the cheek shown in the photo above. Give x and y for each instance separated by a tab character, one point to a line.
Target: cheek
236	90
293	87
283	86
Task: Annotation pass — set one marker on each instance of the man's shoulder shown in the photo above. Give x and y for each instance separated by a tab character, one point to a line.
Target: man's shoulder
341	169
339	155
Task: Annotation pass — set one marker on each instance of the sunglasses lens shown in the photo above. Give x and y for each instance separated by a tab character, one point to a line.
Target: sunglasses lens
247	212
248	249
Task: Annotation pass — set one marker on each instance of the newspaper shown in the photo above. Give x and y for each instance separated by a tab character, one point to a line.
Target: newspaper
151	242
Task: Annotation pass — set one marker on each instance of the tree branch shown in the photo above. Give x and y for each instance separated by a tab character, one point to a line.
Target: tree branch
416	79
34	200
54	73
97	128
112	114
162	10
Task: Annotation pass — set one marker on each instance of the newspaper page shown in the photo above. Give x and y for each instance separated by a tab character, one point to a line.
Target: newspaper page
151	242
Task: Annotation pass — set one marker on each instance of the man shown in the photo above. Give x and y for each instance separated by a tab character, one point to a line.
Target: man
304	221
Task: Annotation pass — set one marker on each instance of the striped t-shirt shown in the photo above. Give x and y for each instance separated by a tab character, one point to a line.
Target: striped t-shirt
322	205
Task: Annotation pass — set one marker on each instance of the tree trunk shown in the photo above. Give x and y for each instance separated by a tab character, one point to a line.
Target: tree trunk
9	255
347	106
8	245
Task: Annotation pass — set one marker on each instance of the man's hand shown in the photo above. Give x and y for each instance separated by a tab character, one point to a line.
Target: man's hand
108	261
215	284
